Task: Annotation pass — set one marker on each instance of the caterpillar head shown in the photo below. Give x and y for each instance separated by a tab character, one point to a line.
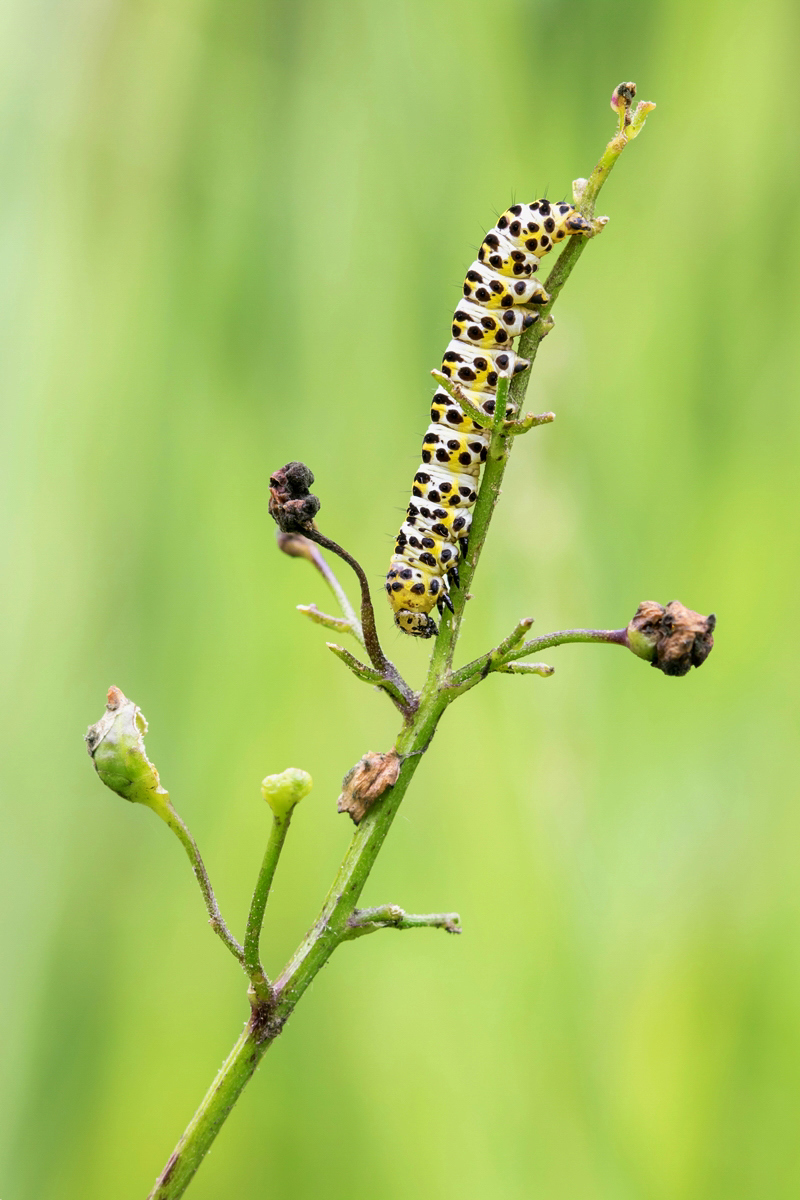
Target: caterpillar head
412	594
416	623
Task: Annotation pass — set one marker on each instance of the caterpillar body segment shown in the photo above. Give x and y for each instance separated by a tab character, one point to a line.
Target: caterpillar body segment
472	323
443	488
447	411
494	290
463	452
480	369
501	300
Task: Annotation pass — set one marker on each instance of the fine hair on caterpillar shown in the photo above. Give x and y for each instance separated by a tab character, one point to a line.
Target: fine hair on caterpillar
501	300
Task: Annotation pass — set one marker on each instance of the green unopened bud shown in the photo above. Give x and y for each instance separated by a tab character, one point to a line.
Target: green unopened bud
116	747
283	791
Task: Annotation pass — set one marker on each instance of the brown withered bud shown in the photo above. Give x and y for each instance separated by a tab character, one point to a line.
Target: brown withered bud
622	98
674	638
367	781
291	505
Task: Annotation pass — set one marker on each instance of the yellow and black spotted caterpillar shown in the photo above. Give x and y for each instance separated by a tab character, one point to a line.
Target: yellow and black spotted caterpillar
498	294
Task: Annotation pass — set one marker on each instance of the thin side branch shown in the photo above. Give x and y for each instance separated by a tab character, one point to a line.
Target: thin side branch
485	420
510	650
215	919
391	916
388	671
528	422
541	669
293	507
297	545
368	674
339	624
608	637
255	920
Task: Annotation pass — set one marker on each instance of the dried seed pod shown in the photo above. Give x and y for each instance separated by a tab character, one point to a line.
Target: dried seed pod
367	781
674	638
116	747
291	505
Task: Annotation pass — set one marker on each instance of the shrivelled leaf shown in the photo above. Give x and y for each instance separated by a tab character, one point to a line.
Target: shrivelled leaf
367	781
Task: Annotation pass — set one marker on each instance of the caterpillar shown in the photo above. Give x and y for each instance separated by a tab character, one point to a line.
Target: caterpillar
500	299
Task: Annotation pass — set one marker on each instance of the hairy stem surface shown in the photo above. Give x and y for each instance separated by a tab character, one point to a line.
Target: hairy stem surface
277	836
215	920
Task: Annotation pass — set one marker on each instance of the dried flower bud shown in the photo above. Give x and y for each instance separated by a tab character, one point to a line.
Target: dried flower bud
674	638
282	792
367	781
116	747
291	505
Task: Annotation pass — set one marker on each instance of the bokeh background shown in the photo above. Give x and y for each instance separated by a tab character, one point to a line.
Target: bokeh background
232	234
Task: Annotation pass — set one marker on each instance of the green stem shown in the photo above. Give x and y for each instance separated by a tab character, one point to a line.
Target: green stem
327	932
322	565
371	640
339	624
609	637
510	650
391	916
277	836
369	675
181	831
422	715
233	1075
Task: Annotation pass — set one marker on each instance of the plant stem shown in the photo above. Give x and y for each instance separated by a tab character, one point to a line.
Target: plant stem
610	637
181	831
422	715
206	1123
322	565
391	916
371	640
277	836
328	931
369	675
470	674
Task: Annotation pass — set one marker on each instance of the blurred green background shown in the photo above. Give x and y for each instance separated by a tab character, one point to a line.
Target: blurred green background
232	234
